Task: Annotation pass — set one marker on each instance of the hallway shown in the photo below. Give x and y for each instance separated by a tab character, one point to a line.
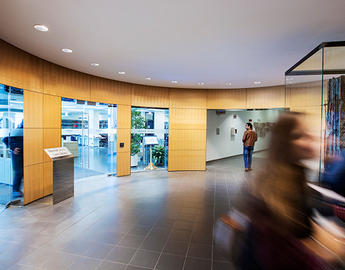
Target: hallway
155	220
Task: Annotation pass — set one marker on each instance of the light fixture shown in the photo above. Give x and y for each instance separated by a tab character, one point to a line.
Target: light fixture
95	64
41	27
201	83
148	79
257	82
229	83
122	72
65	50
174	82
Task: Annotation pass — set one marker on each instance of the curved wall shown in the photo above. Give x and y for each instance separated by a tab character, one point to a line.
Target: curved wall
45	83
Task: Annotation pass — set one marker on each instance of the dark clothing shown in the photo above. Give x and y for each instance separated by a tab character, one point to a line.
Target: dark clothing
334	176
249	138
17	160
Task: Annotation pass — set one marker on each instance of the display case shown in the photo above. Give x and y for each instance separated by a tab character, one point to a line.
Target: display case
315	85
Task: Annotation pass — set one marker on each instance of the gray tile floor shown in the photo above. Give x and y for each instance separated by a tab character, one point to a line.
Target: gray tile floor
155	220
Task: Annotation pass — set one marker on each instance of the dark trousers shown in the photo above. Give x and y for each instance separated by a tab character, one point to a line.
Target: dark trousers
18	172
247	156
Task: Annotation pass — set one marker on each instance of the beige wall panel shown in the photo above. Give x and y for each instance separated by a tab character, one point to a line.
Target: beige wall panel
51	139
123	136
65	82
33	146
33	109
312	117
305	95
124	116
226	99
187	118
33	183
123	165
20	69
187	139
51	111
109	91
47	178
266	97
187	160
187	98
146	96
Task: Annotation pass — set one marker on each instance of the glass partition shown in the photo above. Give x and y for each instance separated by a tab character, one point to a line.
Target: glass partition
149	139
316	86
88	130
11	143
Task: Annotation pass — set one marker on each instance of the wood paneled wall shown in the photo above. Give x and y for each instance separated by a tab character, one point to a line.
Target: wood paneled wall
45	83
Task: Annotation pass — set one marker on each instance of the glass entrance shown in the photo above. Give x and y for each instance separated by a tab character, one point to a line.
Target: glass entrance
88	130
149	139
11	143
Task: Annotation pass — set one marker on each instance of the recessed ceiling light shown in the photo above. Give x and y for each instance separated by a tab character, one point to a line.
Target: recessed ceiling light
229	83
122	72
94	64
65	50
148	78
257	82
201	83
174	81
41	27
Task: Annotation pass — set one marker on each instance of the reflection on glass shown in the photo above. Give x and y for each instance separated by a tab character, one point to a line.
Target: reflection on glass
149	138
11	143
88	130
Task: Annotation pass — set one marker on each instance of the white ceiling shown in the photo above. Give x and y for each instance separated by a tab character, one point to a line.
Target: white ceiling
191	41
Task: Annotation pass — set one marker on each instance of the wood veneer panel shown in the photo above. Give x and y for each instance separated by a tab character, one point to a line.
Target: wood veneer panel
123	136
226	99
33	146
51	111
51	139
187	118
20	69
65	82
266	97
33	182
187	139
124	116
187	98
109	91
123	165
33	109
187	160
145	96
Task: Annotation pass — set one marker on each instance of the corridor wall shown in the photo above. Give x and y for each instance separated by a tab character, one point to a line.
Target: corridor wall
45	83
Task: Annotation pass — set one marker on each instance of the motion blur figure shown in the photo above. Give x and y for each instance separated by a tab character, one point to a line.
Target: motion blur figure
277	203
15	142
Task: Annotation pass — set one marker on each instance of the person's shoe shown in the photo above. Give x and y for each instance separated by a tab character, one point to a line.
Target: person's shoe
17	194
250	169
246	170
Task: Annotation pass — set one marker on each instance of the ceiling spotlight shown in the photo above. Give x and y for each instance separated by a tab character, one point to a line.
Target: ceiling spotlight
257	82
201	83
94	64
174	82
229	83
122	72
65	50
148	79
41	27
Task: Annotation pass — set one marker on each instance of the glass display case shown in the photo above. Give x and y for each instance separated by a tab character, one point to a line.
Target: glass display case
315	85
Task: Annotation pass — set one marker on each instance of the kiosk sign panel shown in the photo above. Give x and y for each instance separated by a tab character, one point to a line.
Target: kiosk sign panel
150	140
58	152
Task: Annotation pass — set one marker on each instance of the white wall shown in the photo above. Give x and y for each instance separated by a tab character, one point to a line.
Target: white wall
224	145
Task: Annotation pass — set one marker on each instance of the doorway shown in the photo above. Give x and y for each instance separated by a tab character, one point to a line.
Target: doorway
89	131
149	139
11	139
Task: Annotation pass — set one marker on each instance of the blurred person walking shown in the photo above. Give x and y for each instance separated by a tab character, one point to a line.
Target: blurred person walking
281	234
249	139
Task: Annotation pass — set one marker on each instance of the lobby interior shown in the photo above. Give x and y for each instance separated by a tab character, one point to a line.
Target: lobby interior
103	78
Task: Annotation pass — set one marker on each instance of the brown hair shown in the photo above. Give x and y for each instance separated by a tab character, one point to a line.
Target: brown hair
282	135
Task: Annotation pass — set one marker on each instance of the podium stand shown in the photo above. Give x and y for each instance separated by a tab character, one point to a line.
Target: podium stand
150	140
63	173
